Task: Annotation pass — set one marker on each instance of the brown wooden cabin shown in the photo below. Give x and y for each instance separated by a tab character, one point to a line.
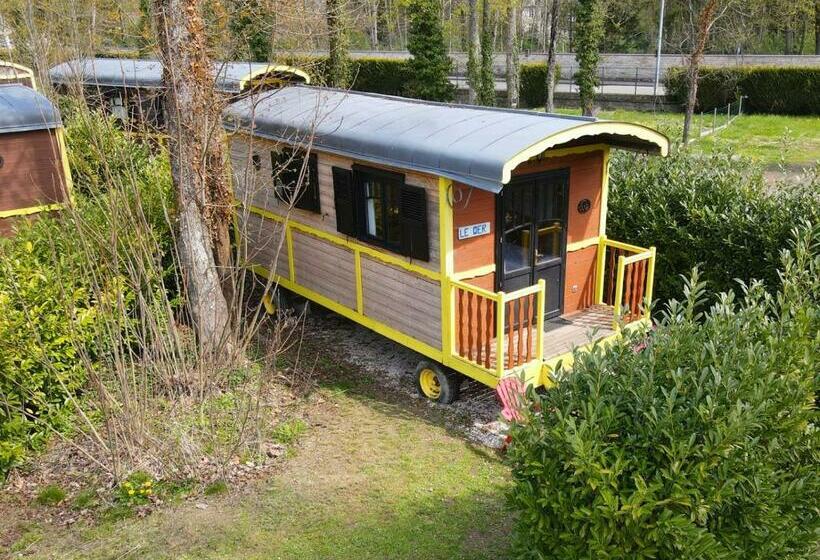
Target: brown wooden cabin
12	73
475	236
34	175
132	89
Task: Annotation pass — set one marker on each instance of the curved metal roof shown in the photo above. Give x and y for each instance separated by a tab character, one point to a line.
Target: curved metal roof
231	77
23	109
478	146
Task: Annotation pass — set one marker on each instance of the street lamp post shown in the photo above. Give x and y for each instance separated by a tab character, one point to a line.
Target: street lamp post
658	60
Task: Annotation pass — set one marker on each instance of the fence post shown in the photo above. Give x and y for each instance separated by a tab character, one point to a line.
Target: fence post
739	105
499	337
539	322
636	80
728	114
714	120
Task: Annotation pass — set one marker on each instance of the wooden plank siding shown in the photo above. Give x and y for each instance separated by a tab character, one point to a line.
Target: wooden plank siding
32	172
406	302
398	298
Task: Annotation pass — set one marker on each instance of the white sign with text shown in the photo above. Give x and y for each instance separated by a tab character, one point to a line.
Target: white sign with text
475	230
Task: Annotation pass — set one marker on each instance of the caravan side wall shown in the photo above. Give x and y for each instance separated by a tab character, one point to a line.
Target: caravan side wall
324	260
31	174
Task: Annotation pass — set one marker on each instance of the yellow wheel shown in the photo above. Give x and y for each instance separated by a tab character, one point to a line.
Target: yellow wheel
436	384
269	304
429	384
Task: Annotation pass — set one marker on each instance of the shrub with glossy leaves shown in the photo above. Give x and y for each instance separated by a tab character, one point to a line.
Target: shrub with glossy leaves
714	211
702	445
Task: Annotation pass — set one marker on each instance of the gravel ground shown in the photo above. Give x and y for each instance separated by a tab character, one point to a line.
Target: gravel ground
477	411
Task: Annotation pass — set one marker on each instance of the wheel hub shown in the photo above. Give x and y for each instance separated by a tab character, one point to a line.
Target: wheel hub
429	384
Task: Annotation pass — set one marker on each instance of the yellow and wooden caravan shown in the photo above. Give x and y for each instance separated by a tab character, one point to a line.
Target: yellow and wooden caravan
474	236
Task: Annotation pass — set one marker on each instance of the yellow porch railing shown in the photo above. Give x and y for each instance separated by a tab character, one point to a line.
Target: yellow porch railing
497	331
625	275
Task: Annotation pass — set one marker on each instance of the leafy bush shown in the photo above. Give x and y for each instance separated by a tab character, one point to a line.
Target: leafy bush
533	86
711	210
702	445
788	90
63	284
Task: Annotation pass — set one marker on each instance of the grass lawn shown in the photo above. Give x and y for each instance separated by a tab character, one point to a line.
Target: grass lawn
370	479
768	139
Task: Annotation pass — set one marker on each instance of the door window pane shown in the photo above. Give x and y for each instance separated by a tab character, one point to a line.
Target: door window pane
516	248
549	241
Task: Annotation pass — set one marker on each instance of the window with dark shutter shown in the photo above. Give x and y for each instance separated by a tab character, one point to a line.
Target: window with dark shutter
378	207
345	201
287	168
414	223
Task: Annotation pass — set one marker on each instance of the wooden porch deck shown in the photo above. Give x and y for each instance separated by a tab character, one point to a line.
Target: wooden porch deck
562	334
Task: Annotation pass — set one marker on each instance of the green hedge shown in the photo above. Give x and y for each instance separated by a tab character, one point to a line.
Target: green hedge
374	75
712	210
702	444
788	90
532	89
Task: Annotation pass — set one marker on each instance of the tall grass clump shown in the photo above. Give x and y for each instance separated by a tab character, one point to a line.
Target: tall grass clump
95	344
700	441
714	211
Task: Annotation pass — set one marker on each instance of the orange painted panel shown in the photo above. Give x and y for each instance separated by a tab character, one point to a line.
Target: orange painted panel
585	181
579	286
473	206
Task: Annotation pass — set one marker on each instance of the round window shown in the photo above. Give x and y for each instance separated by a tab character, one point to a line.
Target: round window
584	206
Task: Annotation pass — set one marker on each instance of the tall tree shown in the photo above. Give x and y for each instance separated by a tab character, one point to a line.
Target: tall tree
251	27
553	36
589	31
473	53
193	113
513	65
486	90
430	65
338	71
703	18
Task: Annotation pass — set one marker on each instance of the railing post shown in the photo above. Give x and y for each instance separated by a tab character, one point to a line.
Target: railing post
599	270
619	289
539	320
499	335
650	280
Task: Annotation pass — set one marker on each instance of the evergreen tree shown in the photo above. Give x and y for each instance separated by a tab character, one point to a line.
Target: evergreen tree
589	32
430	65
486	89
338	71
251	26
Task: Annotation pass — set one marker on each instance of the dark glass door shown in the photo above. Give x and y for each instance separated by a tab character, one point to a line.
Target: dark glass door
532	235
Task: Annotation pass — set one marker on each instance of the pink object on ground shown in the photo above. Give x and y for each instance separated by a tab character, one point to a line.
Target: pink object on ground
510	391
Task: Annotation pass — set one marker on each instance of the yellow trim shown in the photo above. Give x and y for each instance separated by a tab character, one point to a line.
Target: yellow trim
289	242
540	305
68	182
352	314
559	152
24	69
273	68
31	210
474	272
599	270
487	294
445	236
650	279
499	335
604	194
578	245
345	242
357	267
585	130
625	246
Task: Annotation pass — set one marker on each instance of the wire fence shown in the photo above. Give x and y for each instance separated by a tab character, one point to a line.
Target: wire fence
709	122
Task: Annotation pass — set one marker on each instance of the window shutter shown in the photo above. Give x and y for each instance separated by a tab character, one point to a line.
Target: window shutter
309	195
345	201
414	242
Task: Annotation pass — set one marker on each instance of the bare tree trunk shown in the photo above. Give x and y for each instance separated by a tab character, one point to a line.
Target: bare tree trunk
192	116
473	74
553	27
704	25
512	55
